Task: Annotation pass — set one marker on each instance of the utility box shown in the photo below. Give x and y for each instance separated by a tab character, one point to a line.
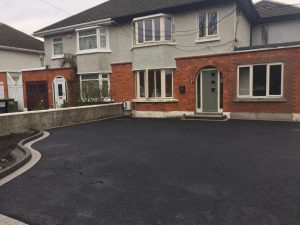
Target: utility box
7	105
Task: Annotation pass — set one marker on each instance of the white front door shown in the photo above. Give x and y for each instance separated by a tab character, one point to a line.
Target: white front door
59	91
1	90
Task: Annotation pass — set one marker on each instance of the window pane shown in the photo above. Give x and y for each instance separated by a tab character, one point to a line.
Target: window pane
259	80
148	30
87	32
57	39
158	83
58	49
90	90
140	31
60	90
212	23
104	76
151	85
157	28
88	43
275	80
102	31
244	80
202	25
90	77
264	34
142	84
103	41
169	86
168	28
104	88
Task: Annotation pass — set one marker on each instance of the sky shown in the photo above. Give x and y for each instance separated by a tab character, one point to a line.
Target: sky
32	15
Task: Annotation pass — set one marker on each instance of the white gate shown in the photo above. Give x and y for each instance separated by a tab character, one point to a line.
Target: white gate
1	90
15	88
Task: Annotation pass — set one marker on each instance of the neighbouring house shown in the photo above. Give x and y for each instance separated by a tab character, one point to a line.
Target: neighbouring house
18	51
175	57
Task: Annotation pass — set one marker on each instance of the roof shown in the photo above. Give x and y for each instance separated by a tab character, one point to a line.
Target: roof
270	9
12	38
125	9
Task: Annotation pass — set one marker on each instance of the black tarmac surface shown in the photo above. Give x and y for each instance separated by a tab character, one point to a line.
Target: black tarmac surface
162	172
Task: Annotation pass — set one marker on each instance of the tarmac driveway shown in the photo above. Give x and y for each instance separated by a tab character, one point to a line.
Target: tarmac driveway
162	172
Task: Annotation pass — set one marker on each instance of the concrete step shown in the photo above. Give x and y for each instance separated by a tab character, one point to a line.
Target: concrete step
207	116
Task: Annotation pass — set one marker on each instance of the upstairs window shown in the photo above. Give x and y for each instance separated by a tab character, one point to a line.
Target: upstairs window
153	29
93	39
58	48
208	24
260	81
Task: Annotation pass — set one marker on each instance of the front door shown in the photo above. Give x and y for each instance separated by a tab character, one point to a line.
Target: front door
60	95
37	95
208	91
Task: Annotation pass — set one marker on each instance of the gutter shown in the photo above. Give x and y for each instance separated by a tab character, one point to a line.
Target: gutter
21	49
72	27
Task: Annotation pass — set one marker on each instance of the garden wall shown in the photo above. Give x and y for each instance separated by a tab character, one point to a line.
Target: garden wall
46	119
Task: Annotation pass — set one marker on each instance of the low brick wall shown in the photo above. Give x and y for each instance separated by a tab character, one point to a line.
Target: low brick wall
46	119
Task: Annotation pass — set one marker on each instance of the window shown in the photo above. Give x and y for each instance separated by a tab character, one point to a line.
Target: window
260	81
154	83
154	29
94	87
93	39
208	24
58	49
264	34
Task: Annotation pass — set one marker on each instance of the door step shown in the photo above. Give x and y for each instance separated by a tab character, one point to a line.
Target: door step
206	116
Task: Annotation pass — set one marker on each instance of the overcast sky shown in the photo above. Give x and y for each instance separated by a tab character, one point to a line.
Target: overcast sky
32	15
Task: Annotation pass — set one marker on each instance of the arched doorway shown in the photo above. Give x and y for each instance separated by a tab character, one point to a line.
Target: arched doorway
59	91
209	91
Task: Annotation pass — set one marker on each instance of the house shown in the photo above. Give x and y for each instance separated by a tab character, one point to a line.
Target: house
18	51
174	58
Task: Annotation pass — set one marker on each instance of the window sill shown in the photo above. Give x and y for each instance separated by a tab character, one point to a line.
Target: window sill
93	51
58	57
260	100
208	39
155	100
152	44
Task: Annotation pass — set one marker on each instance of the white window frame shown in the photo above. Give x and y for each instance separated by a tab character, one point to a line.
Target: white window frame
268	65
162	80
53	43
207	37
162	29
98	36
100	79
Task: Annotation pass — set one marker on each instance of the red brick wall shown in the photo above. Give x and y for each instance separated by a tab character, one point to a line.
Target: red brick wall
188	68
122	82
3	78
45	75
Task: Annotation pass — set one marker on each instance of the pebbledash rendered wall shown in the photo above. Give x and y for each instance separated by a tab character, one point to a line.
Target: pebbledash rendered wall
187	69
46	119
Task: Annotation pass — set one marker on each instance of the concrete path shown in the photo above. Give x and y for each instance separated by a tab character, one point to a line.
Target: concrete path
36	156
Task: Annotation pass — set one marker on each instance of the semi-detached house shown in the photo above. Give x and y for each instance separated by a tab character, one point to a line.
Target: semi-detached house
175	57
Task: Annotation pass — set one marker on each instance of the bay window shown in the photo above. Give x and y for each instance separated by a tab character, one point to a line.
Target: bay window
258	81
154	83
153	29
93	39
